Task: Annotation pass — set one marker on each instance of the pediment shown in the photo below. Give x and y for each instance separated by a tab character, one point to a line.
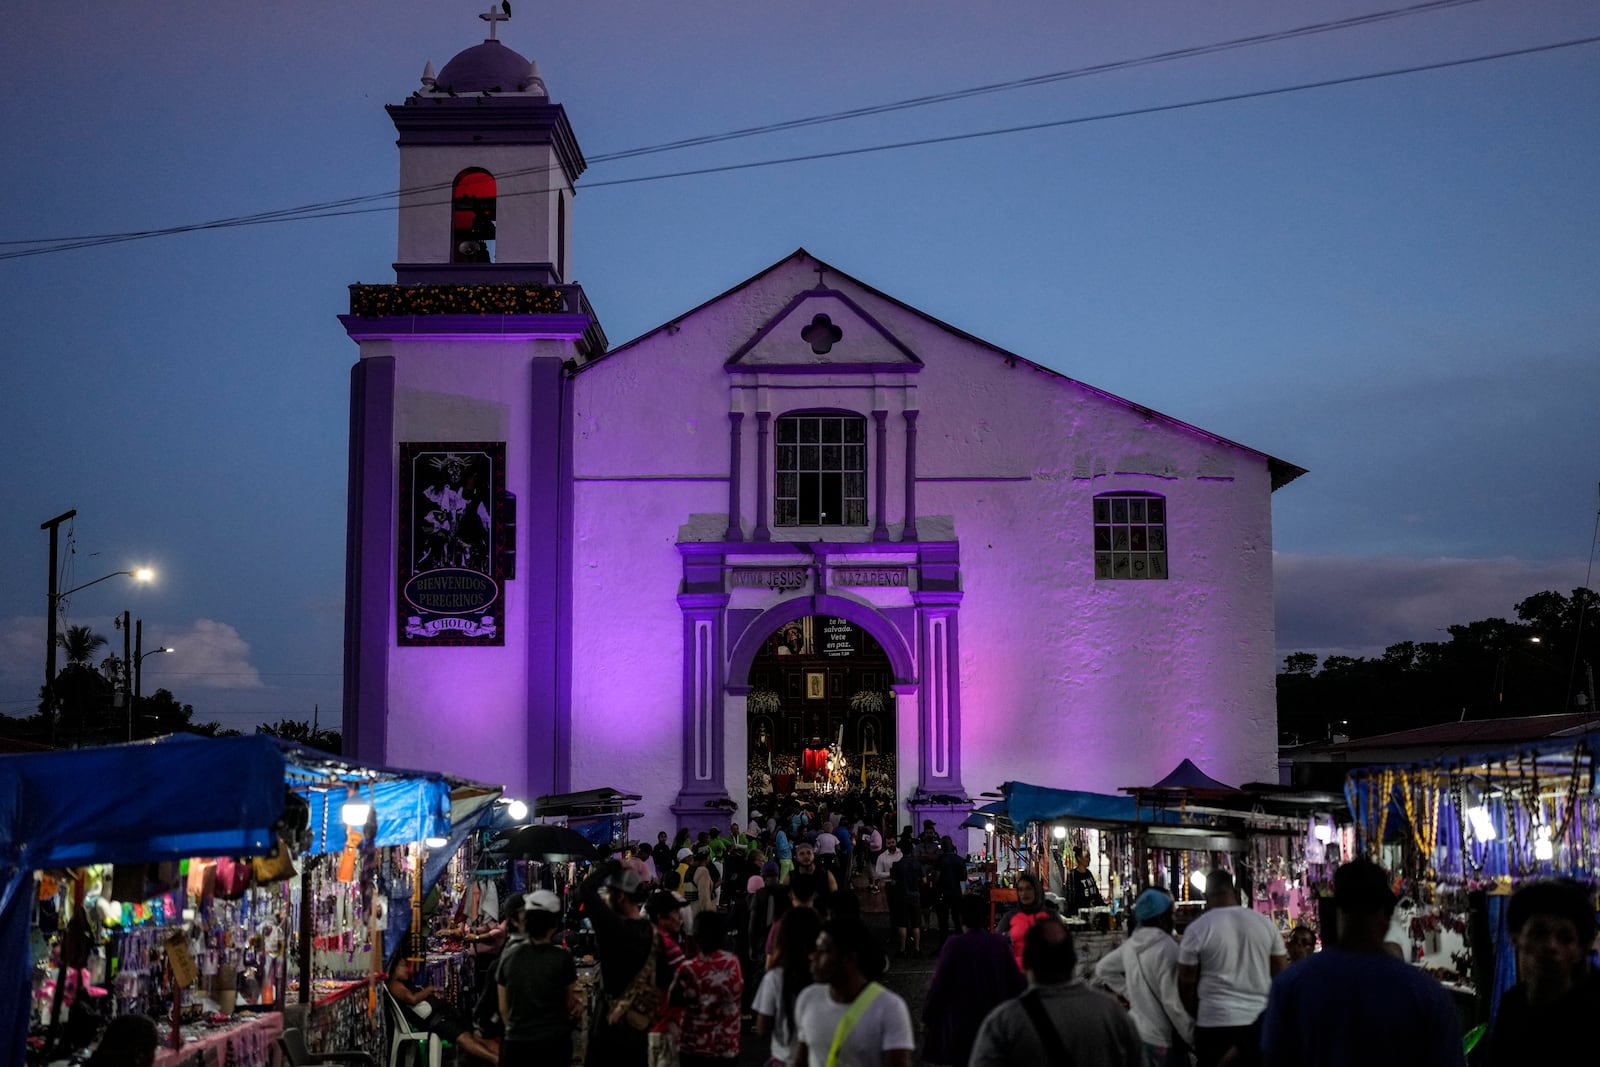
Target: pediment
823	328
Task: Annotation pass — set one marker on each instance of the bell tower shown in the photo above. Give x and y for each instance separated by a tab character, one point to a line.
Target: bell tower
458	553
487	167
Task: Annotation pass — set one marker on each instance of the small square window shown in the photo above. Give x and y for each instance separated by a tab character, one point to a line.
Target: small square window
1130	537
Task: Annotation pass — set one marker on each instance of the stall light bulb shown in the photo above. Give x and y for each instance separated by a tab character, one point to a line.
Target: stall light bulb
1322	831
1543	848
517	810
1482	824
988	827
436	842
1198	880
1060	833
355	812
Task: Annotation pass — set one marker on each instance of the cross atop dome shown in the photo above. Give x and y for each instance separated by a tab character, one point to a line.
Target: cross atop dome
494	17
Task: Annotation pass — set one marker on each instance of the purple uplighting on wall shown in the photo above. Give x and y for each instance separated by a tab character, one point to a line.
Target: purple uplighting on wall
638	605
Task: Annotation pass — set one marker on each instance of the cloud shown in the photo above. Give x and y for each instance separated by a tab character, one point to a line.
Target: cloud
1356	606
210	655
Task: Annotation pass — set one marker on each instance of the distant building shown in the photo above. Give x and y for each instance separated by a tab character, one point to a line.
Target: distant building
1324	764
801	522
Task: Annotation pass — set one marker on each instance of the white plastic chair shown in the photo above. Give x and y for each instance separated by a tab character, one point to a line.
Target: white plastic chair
429	1049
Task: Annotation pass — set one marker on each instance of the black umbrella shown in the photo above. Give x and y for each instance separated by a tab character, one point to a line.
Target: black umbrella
541	839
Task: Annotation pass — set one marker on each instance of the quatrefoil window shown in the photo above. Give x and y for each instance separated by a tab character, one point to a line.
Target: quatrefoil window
821	335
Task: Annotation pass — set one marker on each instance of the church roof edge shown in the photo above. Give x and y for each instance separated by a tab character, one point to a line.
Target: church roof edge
1282	472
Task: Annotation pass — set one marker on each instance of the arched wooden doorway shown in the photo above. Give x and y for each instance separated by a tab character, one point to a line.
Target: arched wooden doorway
821	716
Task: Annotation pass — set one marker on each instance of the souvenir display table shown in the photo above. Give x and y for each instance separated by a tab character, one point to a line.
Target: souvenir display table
248	1042
345	1016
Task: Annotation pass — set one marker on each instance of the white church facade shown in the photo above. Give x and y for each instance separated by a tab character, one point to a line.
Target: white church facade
801	538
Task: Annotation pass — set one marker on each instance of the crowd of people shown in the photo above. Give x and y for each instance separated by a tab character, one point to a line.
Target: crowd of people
699	938
685	965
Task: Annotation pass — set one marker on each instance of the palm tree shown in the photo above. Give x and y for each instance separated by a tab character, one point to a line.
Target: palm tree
80	643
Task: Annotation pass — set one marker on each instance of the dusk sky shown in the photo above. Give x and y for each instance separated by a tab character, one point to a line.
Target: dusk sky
1392	282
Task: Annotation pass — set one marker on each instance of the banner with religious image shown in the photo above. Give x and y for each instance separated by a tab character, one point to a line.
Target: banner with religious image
451	580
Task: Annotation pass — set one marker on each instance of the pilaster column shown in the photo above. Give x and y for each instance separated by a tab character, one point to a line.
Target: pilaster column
763	459
939	654
735	531
703	794
880	528
369	555
910	533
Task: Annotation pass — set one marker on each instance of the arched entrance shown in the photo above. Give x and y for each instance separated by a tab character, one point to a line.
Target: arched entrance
735	613
820	716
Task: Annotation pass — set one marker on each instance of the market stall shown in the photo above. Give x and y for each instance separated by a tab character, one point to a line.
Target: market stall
151	847
1094	852
1461	832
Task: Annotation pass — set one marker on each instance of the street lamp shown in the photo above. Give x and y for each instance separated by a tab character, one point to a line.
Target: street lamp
138	670
54	597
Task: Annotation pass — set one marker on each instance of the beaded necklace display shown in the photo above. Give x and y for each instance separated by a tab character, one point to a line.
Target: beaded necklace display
1424	830
1569	808
1467	858
1380	787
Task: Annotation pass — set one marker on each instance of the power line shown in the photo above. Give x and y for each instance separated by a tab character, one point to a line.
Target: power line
1306	30
310	214
1033	81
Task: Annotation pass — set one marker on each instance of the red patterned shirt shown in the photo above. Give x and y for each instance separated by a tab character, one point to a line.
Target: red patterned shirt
714	987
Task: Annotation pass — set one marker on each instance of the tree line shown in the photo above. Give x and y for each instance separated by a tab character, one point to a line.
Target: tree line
1540	664
95	706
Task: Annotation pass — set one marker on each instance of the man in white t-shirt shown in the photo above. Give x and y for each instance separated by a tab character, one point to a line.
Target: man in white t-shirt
875	1033
886	861
1226	963
828	851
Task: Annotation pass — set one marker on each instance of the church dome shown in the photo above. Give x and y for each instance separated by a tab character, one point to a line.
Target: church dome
490	65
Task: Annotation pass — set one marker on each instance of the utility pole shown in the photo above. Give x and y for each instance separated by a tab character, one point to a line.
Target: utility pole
127	671
50	621
138	673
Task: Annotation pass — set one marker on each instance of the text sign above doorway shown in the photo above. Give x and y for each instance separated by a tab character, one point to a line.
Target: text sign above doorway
878	576
838	638
772	577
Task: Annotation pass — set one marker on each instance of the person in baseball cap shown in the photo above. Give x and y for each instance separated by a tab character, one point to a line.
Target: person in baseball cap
532	983
611	898
1151	953
628	883
542	900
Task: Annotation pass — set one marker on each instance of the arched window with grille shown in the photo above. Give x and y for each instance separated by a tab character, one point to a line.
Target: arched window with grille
1130	536
472	210
821	467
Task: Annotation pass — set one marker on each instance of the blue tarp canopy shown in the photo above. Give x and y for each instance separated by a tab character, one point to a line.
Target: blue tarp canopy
1037	803
141	803
1023	804
170	799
